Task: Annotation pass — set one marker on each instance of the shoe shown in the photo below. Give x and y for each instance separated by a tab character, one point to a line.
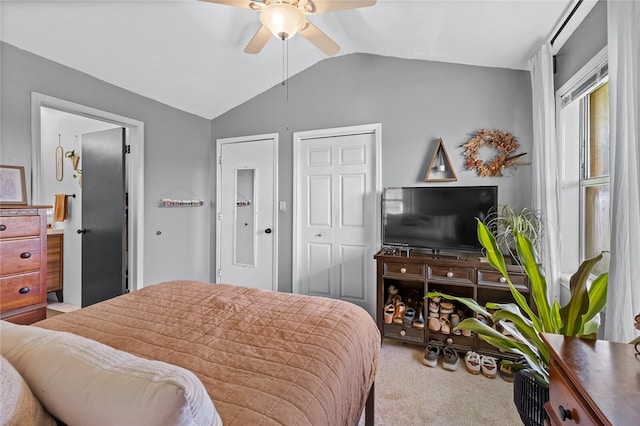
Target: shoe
398	316
434	315
391	291
436	299
434	307
445	327
389	310
409	315
489	366
450	359
505	372
472	362
446	307
455	320
431	354
434	324
418	322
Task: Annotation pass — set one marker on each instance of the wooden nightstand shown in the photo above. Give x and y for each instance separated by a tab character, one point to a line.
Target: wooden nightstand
592	382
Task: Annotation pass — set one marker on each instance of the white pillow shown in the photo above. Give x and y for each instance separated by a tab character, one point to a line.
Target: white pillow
81	381
18	406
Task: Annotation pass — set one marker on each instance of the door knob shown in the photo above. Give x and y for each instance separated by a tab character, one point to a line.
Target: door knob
267	231
81	231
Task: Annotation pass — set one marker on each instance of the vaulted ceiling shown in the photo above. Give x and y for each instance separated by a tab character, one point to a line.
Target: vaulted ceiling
189	53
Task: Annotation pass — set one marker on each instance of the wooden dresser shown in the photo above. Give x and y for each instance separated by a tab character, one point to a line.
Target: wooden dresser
55	262
23	263
592	382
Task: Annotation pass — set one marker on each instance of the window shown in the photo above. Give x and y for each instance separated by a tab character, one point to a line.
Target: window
595	193
586	222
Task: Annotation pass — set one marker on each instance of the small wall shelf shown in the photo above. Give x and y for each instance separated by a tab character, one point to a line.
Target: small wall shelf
440	166
166	202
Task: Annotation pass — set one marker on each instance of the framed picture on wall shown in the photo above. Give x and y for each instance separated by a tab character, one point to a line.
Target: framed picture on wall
13	189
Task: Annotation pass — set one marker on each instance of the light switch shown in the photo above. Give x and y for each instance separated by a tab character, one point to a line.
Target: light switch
283	206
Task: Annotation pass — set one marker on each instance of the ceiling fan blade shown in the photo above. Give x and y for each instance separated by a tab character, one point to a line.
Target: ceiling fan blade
259	40
322	6
245	4
319	39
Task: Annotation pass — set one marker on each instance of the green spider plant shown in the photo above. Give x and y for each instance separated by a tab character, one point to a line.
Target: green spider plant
578	318
507	224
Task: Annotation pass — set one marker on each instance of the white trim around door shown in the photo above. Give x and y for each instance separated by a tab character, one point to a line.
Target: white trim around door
299	139
266	138
135	171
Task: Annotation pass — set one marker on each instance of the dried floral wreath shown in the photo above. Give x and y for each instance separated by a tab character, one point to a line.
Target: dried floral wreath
504	142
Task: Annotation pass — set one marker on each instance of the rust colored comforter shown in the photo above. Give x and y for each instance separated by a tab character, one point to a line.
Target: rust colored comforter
265	357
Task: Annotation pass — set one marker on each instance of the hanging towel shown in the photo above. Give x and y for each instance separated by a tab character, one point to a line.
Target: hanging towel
60	209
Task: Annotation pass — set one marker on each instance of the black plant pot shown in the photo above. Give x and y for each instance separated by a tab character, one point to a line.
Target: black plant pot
530	398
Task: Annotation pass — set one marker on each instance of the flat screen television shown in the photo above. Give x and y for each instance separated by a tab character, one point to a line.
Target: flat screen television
436	218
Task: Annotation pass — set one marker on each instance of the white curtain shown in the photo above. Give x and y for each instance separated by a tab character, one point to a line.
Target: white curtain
546	184
623	302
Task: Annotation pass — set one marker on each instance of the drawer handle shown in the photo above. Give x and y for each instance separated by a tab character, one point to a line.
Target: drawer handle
3	227
564	413
502	280
24	290
449	274
25	255
403	332
403	270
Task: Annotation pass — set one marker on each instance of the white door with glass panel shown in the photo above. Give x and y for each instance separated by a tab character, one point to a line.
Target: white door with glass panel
246	221
337	182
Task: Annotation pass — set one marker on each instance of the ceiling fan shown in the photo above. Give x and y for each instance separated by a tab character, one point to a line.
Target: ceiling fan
285	18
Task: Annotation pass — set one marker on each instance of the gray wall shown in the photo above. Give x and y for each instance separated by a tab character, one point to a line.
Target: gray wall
417	102
177	150
587	40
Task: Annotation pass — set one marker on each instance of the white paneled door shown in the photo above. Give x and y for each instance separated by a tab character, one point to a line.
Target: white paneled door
246	228
337	213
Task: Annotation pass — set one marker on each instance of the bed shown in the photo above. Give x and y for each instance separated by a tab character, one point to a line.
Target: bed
263	357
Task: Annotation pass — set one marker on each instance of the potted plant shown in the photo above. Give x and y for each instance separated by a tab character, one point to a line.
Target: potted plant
579	317
74	157
506	224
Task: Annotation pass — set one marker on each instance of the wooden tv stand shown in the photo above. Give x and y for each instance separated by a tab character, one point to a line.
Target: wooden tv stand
455	273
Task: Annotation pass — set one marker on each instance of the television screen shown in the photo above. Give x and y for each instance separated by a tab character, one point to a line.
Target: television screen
437	218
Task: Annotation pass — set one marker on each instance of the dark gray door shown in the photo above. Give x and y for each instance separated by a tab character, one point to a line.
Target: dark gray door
103	215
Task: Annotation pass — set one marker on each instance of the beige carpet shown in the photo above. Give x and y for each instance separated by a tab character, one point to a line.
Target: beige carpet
410	393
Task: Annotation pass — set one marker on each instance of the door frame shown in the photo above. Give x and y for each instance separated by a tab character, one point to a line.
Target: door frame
268	137
134	171
298	139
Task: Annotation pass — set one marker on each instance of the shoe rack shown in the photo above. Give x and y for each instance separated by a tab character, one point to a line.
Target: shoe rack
461	274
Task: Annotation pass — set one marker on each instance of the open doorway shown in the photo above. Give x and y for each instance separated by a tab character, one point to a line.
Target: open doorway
52	117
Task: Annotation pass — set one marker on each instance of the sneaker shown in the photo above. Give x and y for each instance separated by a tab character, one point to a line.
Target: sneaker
505	372
431	355
489	367
472	362
450	359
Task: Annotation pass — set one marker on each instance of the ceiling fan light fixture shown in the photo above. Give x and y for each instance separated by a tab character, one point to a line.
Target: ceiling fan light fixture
282	19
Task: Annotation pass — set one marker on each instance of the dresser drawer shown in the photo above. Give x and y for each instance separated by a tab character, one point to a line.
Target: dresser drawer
562	394
20	255
20	290
26	318
19	226
404	270
495	279
445	274
402	332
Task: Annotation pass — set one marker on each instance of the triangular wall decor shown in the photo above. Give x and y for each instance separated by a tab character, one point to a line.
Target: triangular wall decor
440	169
